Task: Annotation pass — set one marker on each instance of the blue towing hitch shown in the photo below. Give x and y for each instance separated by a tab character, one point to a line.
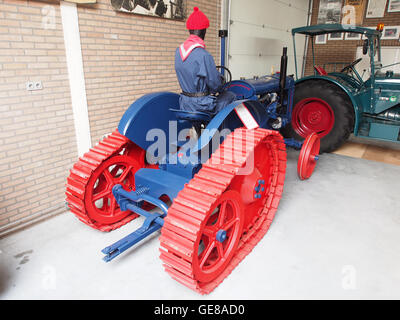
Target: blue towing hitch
130	200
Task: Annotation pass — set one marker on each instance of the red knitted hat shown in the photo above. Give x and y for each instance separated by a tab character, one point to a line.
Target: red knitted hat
197	20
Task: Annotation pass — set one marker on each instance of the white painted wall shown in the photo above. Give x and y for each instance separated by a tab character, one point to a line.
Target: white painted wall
260	30
73	50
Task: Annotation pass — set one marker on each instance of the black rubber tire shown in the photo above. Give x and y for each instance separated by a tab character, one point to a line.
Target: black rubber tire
342	108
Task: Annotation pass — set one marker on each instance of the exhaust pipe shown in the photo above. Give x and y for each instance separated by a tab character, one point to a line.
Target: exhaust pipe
283	73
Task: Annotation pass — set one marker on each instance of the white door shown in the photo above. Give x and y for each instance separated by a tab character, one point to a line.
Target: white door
258	32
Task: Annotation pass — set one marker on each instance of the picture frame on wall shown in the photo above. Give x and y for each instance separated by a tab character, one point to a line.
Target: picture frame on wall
335	36
330	11
352	36
391	33
320	39
376	9
394	6
167	9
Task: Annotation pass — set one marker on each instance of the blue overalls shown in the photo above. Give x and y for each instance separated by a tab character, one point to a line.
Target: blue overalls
198	74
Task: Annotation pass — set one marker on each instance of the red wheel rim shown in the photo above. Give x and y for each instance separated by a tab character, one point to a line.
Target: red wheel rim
87	183
212	254
101	204
313	115
308	156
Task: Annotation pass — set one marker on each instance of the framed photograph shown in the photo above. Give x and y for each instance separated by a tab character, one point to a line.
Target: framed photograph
390	33
376	8
352	36
394	6
335	36
168	9
330	11
321	39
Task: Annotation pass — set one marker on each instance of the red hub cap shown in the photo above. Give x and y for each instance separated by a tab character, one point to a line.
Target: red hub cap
313	115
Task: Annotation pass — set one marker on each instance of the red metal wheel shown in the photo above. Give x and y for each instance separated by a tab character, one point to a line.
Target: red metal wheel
100	203
313	115
113	160
218	237
225	210
309	155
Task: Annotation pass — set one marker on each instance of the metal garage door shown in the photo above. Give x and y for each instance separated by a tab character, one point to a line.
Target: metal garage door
258	31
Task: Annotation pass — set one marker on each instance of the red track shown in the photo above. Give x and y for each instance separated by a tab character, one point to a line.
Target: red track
114	160
218	198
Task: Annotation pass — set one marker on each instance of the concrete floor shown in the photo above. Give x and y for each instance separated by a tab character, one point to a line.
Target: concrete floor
335	236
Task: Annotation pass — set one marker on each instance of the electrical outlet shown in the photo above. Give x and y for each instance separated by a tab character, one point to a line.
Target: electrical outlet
34	85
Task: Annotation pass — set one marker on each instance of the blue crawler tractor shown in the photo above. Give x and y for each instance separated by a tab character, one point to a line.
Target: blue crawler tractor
212	191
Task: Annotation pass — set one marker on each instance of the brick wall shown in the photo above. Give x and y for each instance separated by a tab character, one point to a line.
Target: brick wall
127	55
124	57
37	136
345	50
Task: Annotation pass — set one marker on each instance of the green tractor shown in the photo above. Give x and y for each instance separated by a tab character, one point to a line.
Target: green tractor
337	104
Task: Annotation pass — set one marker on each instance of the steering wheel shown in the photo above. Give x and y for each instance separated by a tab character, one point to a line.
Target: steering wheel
351	66
223	75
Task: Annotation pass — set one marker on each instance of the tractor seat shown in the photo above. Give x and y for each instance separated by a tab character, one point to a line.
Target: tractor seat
192	116
321	71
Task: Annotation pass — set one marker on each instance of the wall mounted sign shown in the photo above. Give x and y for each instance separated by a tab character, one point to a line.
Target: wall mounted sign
352	36
394	6
320	39
169	9
335	36
376	8
353	12
390	33
329	11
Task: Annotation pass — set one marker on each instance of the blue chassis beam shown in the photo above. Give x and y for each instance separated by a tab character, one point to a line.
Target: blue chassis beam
153	222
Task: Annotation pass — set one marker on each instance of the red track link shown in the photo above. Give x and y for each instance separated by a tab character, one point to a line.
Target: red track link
188	214
80	186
